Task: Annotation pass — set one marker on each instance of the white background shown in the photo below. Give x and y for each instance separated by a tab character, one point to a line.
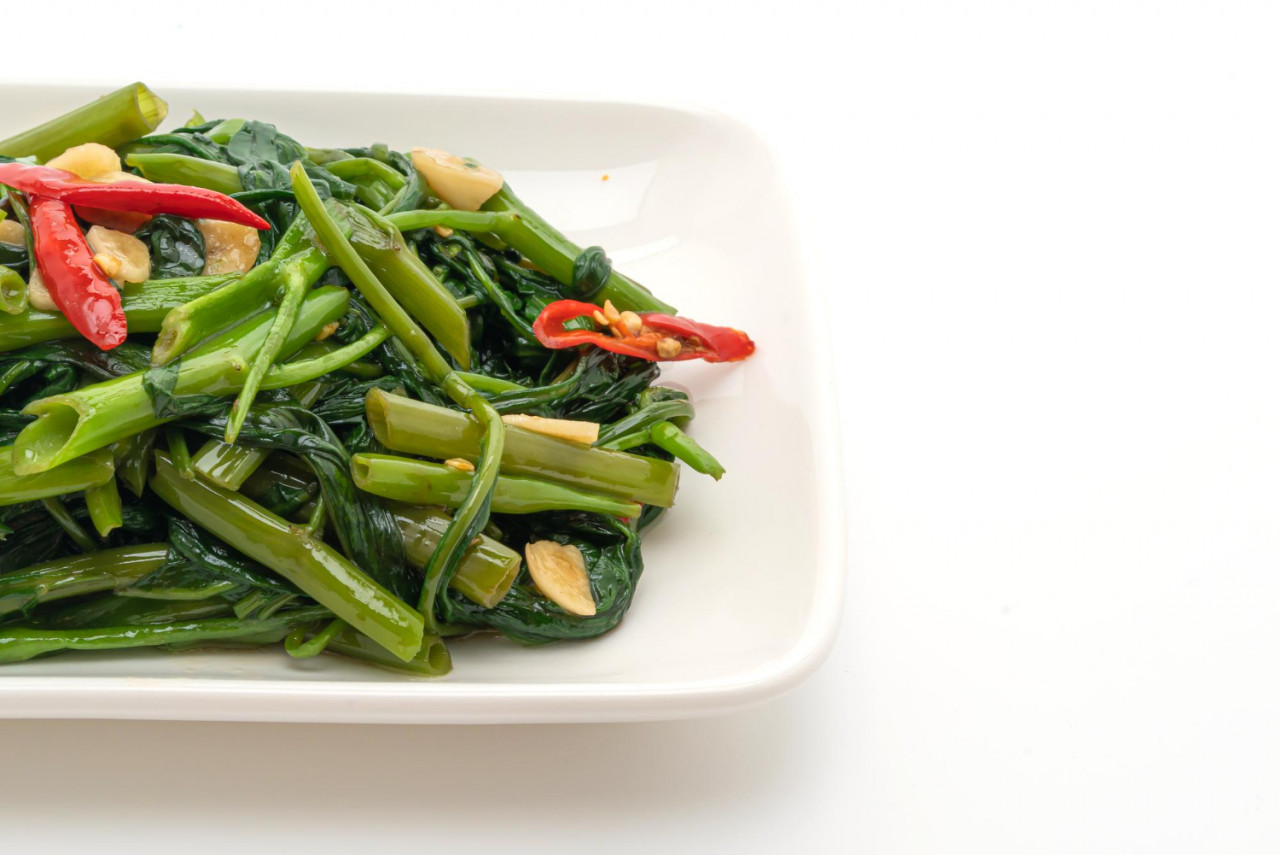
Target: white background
1048	236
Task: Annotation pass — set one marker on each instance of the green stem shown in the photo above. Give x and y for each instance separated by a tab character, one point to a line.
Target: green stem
228	466
82	473
297	645
537	240
421	483
97	415
294	288
189	324
176	441
105	511
473	513
683	447
488	567
112	120
168	168
133	460
645	418
293	373
13	291
18	645
145	306
413	427
432	660
63	518
489	385
107	570
412	284
318	570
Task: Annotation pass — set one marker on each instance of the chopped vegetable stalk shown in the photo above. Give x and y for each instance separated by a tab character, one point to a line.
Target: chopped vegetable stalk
423	483
320	571
112	120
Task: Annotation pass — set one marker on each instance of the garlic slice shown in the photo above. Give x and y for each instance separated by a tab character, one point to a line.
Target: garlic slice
461	182
560	572
133	255
12	232
88	161
228	247
38	296
574	431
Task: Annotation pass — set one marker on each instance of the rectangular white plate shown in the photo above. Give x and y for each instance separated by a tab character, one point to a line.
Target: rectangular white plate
741	593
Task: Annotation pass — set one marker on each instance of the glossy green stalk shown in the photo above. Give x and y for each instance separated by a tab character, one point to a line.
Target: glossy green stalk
109	569
537	240
363	369
97	415
297	645
411	426
133	460
176	441
13	292
420	483
145	306
432	660
105	511
644	419
111	610
18	645
488	567
112	120
91	470
408	279
189	324
683	447
473	512
67	522
293	373
294	285
317	569
489	385
168	168
229	465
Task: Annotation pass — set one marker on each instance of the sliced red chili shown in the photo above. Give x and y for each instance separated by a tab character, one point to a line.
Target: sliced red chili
76	284
656	341
134	196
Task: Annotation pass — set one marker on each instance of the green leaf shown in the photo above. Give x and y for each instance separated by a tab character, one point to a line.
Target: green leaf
591	270
177	246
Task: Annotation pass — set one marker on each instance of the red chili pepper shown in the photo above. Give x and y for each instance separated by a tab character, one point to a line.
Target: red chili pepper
76	284
133	196
655	341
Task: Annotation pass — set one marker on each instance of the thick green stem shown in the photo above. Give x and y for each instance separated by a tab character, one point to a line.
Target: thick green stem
105	510
168	168
13	292
421	483
82	473
145	307
318	570
109	569
414	286
432	660
189	324
473	513
112	120
228	466
133	460
18	645
488	567
97	415
411	426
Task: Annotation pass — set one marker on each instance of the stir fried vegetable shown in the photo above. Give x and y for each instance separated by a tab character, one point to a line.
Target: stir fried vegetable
349	401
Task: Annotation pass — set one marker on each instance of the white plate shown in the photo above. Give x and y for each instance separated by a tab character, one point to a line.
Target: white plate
741	593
